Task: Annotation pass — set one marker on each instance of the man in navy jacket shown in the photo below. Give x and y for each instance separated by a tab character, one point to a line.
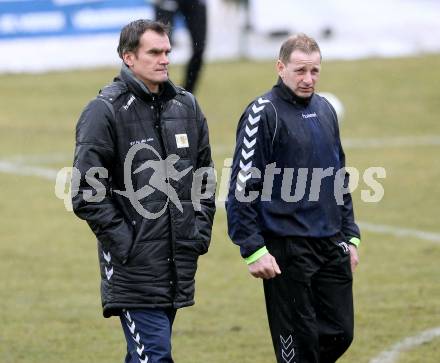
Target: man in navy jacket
290	211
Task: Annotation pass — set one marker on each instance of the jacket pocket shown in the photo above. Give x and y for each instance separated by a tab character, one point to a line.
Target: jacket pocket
118	238
188	249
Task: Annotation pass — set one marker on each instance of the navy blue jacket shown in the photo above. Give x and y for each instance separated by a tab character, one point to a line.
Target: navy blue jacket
283	144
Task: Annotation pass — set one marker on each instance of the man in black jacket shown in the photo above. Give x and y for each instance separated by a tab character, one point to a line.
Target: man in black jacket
290	211
146	191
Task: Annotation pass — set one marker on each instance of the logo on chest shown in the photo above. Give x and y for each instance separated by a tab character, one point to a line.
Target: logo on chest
130	101
309	115
182	141
143	141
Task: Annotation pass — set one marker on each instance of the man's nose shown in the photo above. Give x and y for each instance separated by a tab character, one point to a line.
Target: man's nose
164	59
307	78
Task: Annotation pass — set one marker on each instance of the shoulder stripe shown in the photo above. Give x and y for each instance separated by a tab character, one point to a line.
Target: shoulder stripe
276	121
249	142
328	104
109	106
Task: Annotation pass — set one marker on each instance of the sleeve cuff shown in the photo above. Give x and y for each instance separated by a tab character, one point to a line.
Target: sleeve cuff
256	255
355	241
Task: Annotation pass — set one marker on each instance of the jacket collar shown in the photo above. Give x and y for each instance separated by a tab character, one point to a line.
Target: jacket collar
287	94
167	89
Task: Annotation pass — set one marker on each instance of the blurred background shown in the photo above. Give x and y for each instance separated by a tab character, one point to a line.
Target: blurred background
381	59
65	34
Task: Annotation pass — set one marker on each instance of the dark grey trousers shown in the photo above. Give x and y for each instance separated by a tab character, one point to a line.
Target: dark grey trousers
310	305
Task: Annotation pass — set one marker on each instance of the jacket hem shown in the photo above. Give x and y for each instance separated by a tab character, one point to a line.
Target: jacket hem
115	309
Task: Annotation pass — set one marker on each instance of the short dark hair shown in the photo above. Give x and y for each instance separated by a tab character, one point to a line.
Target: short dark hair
131	34
300	42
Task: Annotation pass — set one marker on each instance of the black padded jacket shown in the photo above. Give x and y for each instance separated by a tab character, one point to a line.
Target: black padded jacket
149	226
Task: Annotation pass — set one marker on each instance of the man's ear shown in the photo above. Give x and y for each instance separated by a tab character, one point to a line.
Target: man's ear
280	68
128	58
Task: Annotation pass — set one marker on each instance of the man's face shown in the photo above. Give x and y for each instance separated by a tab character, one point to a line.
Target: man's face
301	73
150	62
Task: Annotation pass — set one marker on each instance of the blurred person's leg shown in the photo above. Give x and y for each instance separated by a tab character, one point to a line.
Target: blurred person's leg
195	14
164	12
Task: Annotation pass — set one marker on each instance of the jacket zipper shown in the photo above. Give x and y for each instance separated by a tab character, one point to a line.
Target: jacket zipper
162	139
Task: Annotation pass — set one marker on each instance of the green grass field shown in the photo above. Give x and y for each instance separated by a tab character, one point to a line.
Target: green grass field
50	305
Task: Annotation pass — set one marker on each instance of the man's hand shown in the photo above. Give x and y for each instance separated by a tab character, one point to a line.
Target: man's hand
354	257
265	267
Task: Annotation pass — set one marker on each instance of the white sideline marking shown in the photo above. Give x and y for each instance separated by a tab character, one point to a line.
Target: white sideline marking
20	169
39	159
390	355
400	232
384	229
366	143
348	143
371	143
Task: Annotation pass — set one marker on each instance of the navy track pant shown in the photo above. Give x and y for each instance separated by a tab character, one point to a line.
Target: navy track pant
148	335
310	305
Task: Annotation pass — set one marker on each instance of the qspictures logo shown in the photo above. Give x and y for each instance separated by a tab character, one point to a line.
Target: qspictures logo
163	172
296	184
